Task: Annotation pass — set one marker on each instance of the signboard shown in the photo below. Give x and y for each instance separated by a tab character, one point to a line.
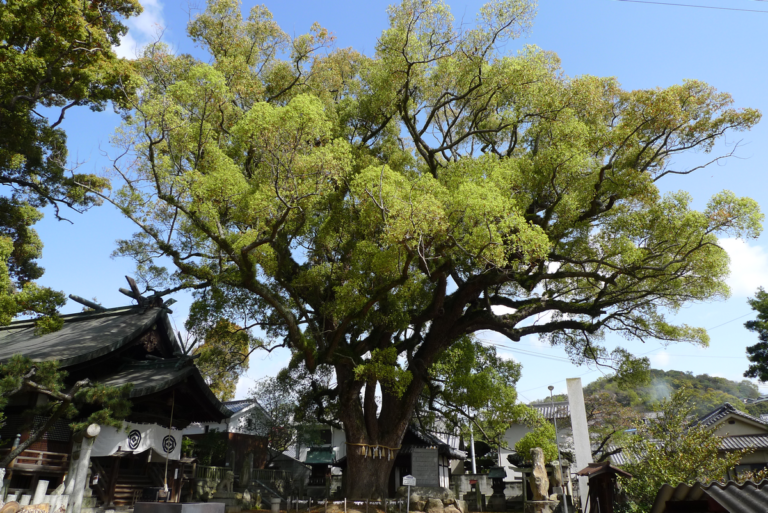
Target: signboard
409	481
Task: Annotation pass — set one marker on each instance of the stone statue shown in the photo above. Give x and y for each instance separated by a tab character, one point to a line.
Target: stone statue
539	480
557	476
227	483
245	472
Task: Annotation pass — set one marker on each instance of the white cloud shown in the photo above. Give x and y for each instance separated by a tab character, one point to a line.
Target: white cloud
143	29
660	359
749	266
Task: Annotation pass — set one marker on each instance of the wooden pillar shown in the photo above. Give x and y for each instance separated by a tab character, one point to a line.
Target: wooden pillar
173	470
113	475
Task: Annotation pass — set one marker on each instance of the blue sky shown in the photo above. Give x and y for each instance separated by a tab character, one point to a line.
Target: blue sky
643	45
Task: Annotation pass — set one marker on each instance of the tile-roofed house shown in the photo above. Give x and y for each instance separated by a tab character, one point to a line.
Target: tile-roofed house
730	497
717	415
560	409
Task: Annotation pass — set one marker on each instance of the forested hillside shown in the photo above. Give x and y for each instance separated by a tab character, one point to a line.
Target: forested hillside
709	392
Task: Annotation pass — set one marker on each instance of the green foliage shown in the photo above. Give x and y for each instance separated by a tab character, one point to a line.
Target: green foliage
276	417
107	406
670	450
542	436
471	383
404	201
383	367
223	356
211	448
706	392
55	55
758	353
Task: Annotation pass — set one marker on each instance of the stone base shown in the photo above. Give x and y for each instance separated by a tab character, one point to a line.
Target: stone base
496	503
230	500
540	506
176	507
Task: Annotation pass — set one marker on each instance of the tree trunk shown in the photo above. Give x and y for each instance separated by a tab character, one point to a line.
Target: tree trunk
368	427
367	477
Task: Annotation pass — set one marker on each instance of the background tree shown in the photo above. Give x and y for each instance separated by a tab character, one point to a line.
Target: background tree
471	384
54	56
223	357
609	422
706	392
758	353
542	436
370	212
103	405
275	418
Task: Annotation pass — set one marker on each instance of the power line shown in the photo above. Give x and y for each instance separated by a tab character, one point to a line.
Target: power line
691	5
742	316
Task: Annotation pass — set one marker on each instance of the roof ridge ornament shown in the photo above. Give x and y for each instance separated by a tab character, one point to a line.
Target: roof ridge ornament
153	301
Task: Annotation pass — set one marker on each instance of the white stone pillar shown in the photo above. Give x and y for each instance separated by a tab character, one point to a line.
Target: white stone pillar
40	491
81	475
581	444
69	482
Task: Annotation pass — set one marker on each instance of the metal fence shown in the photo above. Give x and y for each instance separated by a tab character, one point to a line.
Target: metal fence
390	505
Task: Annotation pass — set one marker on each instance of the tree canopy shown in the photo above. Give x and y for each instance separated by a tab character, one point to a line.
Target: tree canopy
369	212
758	353
55	55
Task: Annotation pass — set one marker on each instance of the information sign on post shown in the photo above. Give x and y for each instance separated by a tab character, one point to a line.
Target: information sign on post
408	481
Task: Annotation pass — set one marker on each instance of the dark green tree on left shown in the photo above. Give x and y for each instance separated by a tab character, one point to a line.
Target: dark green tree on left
54	55
84	402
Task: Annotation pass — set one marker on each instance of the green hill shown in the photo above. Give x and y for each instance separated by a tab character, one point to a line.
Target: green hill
709	391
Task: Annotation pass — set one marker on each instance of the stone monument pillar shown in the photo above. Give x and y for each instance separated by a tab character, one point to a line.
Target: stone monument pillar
539	482
81	472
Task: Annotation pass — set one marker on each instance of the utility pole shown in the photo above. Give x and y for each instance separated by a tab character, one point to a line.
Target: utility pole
472	443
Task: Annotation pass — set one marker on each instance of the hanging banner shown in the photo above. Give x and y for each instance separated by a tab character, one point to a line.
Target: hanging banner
138	438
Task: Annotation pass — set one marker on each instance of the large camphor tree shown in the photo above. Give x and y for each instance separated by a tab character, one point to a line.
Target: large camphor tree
368	212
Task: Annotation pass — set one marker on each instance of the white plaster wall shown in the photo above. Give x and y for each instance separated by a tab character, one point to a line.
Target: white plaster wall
739	427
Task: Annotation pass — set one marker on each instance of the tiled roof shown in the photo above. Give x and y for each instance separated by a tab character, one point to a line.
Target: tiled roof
735	443
447	445
83	337
155	376
239	405
561	409
748	497
723	411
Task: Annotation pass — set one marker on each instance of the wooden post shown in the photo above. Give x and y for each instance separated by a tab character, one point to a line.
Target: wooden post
112	483
367	502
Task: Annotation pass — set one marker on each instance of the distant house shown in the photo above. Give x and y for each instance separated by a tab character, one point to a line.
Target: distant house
740	431
242	443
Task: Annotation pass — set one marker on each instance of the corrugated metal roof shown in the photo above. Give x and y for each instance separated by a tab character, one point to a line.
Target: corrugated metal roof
748	497
723	411
561	409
